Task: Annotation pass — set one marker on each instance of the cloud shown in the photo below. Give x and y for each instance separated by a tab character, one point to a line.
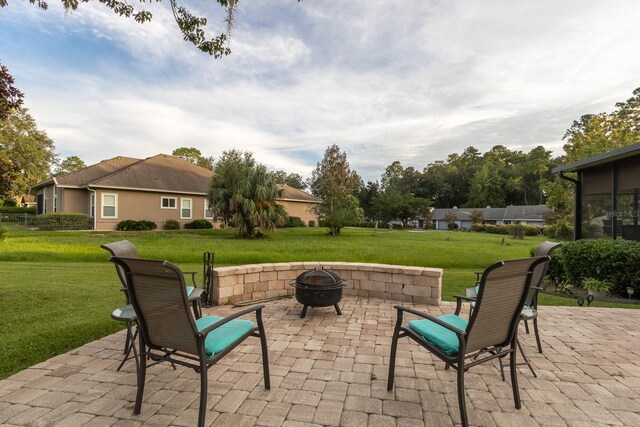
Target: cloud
412	81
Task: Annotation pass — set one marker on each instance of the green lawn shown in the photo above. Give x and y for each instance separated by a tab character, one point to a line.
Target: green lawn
57	289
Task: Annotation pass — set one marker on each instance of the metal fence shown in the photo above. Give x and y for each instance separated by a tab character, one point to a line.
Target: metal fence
46	222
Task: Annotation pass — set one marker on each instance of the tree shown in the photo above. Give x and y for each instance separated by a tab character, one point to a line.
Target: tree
366	196
333	182
191	26
476	216
26	146
450	218
244	193
70	164
9	172
193	155
292	179
10	96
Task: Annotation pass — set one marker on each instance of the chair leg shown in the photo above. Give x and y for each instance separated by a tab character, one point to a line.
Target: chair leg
535	329
461	396
202	411
526	359
394	349
501	367
514	375
265	353
526	326
141	375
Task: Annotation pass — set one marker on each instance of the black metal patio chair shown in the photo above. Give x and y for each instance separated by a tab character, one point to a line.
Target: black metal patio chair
168	330
490	333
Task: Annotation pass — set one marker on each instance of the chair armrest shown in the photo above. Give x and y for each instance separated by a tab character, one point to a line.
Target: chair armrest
193	277
459	299
205	331
433	319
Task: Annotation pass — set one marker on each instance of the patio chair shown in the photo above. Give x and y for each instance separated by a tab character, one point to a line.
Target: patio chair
530	309
126	249
168	330
490	333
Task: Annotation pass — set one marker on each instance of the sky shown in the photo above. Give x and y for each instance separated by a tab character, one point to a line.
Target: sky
412	80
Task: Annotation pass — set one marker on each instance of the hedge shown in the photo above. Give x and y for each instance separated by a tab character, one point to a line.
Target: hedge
61	221
294	221
17	209
136	225
616	261
198	224
171	224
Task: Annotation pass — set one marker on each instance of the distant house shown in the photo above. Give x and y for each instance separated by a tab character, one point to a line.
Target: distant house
525	215
157	188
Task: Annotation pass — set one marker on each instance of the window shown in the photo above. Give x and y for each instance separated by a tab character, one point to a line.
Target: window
92	205
55	199
109	206
185	208
208	210
168	203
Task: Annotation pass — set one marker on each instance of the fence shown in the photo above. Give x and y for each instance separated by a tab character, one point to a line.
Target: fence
47	222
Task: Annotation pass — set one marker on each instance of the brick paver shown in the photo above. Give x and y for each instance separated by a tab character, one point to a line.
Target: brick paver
331	370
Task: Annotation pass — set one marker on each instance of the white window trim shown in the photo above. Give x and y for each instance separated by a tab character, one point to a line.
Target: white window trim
204	214
190	208
55	199
102	205
168	197
92	205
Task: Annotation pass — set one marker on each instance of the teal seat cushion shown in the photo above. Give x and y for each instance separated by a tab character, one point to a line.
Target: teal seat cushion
441	337
222	337
477	289
189	290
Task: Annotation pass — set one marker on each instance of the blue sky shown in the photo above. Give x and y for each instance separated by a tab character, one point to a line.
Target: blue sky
411	81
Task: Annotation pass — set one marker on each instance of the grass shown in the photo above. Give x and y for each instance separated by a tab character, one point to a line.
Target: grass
57	291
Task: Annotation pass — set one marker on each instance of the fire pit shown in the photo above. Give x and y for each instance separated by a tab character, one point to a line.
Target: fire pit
318	288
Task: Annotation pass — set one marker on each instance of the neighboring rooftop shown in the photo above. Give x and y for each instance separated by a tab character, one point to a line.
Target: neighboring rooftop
510	213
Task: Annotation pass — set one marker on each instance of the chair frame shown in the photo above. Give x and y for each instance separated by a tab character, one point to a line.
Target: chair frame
458	360
199	362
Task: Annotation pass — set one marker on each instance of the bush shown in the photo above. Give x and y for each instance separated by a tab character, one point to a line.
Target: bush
614	261
133	225
198	224
477	227
5	218
17	209
294	221
171	224
61	221
9	203
3	233
561	230
312	223
532	230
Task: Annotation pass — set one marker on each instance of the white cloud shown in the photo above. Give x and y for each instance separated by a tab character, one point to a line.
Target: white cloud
409	81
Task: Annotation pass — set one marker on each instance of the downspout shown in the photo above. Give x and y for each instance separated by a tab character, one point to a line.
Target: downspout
577	204
95	204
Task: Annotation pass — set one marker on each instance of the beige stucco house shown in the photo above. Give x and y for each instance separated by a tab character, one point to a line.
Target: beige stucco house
157	188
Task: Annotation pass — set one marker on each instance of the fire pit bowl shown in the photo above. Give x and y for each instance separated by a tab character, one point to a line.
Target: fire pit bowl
318	288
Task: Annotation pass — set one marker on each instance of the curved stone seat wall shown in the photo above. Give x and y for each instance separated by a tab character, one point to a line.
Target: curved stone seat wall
420	285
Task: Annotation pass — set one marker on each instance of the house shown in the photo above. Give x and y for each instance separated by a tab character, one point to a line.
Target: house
606	194
525	215
157	188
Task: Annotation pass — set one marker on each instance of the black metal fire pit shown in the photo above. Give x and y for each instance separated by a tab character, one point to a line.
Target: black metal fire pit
318	288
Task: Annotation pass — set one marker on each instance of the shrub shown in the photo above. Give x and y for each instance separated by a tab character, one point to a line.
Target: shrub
293	221
198	224
5	218
171	224
312	223
596	285
477	227
531	230
516	231
61	221
615	261
560	230
133	225
9	203
3	233
17	209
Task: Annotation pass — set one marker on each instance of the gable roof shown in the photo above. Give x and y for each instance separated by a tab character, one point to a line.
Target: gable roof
608	157
292	193
160	173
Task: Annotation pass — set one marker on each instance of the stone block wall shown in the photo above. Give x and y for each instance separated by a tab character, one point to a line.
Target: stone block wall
420	285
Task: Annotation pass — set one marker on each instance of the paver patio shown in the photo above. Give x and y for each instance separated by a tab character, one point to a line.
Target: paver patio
331	370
